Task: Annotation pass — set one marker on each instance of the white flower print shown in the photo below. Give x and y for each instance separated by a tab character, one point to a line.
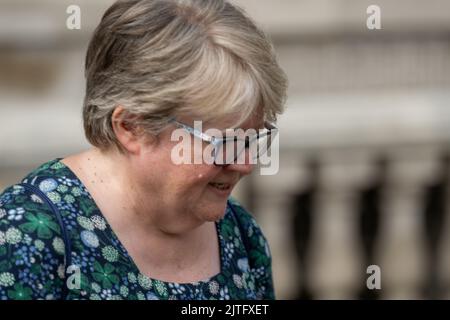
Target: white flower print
36	199
13	235
258	272
66	181
90	239
76	191
17	190
176	288
39	245
6	279
58	245
140	296
237	281
106	294
86	223
124	291
229	249
160	288
144	281
243	264
48	185
54	197
213	287
69	198
27	239
132	277
224	294
2	213
98	222
62	188
110	253
16	214
57	165
2	238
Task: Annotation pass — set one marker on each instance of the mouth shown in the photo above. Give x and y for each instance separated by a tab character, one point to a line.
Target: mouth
221	188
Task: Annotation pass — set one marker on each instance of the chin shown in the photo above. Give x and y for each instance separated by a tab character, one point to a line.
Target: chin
213	212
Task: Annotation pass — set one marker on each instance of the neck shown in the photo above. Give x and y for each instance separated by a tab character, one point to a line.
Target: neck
143	226
130	207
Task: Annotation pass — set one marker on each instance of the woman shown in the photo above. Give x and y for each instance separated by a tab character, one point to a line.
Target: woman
122	220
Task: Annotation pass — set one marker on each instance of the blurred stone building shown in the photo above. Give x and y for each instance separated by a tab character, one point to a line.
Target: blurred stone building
366	127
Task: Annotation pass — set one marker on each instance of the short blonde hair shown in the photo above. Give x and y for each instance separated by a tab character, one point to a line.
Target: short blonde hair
161	59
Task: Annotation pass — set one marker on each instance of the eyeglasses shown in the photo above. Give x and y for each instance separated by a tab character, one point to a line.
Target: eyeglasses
229	149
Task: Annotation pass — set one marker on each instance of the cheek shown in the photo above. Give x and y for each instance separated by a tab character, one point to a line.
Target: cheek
201	175
184	180
187	180
204	175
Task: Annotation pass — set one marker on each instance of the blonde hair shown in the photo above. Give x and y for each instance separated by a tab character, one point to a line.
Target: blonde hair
161	59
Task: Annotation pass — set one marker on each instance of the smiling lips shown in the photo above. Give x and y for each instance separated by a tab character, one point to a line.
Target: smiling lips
221	186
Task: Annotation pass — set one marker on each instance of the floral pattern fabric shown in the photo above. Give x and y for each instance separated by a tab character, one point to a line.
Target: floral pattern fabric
32	249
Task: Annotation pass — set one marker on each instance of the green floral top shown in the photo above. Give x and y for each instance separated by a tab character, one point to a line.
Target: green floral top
56	244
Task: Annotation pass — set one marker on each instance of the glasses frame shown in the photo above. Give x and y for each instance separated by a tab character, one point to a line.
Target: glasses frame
271	130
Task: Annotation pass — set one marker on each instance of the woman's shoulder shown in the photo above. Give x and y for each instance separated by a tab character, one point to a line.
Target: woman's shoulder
27	212
31	246
24	210
29	195
51	182
47	174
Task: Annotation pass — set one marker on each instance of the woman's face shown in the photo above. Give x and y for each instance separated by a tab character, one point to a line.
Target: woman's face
188	193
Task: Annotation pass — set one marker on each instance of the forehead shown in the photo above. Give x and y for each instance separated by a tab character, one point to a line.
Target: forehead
255	121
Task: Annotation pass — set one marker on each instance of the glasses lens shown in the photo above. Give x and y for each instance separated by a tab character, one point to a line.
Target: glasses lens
228	151
235	150
264	142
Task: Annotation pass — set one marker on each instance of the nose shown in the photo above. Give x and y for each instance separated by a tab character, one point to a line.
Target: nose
243	169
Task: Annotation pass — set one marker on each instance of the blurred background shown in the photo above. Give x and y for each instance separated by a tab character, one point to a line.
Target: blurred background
365	141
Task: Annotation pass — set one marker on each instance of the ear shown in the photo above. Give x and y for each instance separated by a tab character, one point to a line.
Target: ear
125	132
